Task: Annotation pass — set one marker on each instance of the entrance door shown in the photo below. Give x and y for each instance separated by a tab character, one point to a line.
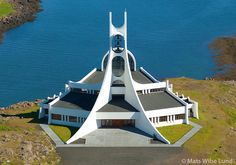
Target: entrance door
117	123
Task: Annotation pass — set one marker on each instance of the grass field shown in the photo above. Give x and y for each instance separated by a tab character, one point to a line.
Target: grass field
5	8
64	132
217	111
175	132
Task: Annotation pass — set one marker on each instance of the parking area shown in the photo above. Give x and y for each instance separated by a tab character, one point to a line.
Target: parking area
116	137
121	155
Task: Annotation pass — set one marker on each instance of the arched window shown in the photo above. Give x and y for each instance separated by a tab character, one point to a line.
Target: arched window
131	62
118	66
118	83
118	43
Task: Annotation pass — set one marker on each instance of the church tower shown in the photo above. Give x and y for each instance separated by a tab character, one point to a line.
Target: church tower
118	84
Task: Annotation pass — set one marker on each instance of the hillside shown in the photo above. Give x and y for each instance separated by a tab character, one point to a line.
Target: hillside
217	110
21	139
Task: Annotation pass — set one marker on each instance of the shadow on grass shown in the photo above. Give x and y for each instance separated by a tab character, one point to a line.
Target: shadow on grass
33	115
73	130
63	132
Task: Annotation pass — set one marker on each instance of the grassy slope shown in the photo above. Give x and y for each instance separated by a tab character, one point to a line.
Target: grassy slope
26	120
5	8
217	110
175	132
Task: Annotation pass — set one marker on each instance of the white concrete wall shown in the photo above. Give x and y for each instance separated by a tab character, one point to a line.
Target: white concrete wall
183	102
139	86
68	112
116	115
148	74
118	90
41	113
131	54
96	86
141	122
166	112
103	98
165	123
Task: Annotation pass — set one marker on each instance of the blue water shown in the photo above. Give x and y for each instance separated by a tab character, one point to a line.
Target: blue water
68	39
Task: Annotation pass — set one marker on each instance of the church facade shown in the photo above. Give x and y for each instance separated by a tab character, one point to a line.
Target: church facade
118	94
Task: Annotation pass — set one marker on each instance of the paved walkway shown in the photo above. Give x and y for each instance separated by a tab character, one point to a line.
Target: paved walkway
121	155
188	135
127	137
52	135
115	137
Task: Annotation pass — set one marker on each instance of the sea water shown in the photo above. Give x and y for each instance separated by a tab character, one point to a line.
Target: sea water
69	38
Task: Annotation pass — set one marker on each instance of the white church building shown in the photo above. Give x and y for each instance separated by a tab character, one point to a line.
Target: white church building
118	94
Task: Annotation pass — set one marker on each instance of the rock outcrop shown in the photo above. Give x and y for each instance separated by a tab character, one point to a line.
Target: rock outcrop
25	11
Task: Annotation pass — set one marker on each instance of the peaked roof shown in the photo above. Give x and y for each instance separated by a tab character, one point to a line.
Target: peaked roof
117	104
76	100
98	76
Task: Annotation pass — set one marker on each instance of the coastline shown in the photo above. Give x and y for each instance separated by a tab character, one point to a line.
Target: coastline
224	50
25	11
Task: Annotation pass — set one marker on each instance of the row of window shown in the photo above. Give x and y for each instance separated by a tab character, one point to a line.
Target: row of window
68	118
78	90
165	118
155	90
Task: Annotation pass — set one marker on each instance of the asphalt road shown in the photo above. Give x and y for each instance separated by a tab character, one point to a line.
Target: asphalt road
121	155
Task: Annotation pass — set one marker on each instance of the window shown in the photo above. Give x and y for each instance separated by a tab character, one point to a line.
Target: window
131	62
118	43
150	119
78	119
157	119
56	116
46	111
157	90
180	116
163	118
118	66
96	92
153	120
79	90
139	92
190	112
72	119
118	83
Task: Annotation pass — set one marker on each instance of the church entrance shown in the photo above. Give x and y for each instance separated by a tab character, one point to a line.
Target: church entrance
117	123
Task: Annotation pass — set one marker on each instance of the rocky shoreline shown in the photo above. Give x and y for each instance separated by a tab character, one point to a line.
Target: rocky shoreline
21	105
224	49
25	11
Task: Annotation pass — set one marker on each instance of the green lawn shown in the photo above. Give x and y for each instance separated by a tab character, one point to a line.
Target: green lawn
64	132
5	8
175	132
